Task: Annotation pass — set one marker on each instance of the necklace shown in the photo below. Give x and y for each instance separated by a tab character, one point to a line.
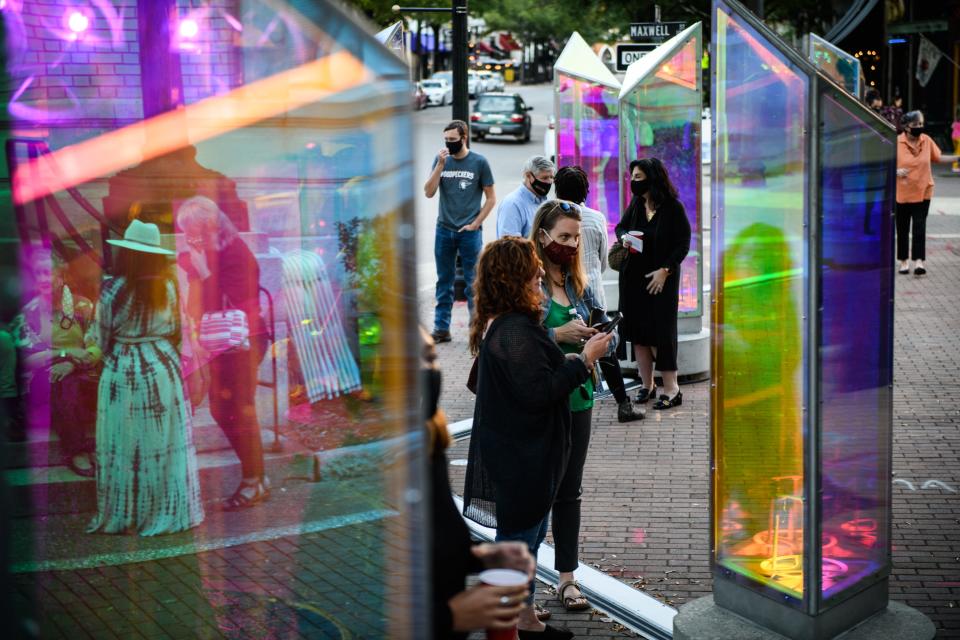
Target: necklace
563	279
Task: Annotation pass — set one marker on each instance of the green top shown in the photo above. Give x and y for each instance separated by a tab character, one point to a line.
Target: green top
558	316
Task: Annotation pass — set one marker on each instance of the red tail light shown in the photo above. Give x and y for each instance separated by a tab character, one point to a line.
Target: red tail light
516	118
475	117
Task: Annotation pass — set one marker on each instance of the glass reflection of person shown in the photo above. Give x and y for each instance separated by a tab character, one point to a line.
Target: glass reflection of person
147	478
50	332
223	274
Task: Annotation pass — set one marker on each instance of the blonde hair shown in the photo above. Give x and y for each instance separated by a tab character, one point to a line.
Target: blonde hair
202	211
546	219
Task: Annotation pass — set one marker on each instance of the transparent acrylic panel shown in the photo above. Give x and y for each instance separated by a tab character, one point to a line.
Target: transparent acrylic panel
857	165
255	325
587	135
660	118
835	63
759	191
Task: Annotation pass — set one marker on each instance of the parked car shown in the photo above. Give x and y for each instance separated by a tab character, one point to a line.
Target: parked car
438	91
419	97
492	81
500	114
550	140
474	83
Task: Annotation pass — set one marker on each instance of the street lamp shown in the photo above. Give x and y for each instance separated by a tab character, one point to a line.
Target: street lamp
459	49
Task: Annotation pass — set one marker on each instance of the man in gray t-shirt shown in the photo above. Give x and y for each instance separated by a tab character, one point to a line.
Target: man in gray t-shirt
462	177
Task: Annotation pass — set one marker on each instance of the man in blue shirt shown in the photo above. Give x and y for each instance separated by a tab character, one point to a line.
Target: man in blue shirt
516	212
462	177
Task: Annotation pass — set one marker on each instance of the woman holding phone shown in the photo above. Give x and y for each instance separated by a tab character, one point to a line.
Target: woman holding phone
567	304
650	278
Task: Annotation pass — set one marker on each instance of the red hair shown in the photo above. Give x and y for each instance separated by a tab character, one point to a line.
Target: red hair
502	284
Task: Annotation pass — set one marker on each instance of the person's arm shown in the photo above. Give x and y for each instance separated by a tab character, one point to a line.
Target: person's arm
603	250
490	199
681	239
509	220
938	157
433	182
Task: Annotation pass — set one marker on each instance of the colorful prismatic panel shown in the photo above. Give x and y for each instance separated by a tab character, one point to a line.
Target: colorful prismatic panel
215	281
758	327
857	161
587	135
660	117
835	63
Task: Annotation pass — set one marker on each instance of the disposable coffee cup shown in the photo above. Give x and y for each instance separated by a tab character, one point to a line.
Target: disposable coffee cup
635	240
503	578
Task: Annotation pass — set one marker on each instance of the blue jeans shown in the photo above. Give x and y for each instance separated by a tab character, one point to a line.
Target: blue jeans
447	245
532	537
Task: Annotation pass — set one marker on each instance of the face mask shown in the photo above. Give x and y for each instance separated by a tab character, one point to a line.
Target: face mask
454	147
916	132
639	187
561	254
540	187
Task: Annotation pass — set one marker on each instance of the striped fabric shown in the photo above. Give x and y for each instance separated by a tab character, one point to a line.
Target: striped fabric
593	236
224	330
329	367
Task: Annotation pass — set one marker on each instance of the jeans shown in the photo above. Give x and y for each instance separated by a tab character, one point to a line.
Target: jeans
917	213
533	537
566	506
447	245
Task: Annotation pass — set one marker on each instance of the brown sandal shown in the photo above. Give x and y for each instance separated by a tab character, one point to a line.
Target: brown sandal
572	604
543	614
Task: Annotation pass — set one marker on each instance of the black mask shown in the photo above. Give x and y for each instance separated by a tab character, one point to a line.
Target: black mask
540	187
454	147
916	132
639	187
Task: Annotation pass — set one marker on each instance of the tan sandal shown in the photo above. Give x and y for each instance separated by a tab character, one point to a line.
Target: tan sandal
543	614
572	604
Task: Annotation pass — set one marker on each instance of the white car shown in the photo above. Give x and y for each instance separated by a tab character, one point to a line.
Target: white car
492	81
438	92
550	140
474	83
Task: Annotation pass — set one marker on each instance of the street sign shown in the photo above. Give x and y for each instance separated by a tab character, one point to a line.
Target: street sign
655	31
630	53
923	26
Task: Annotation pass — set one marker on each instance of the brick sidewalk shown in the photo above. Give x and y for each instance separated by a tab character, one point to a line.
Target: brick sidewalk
646	512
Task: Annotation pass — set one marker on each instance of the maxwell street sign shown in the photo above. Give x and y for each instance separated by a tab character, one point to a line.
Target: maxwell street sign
630	53
654	31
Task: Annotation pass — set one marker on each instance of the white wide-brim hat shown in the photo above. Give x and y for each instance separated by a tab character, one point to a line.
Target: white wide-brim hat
142	236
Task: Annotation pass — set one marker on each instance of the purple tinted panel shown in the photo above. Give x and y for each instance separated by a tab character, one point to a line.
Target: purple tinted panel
857	165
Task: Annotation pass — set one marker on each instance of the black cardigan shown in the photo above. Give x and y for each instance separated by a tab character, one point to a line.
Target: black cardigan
521	424
673	232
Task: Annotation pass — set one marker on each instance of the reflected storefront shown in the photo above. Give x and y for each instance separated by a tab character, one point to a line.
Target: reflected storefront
214	339
803	338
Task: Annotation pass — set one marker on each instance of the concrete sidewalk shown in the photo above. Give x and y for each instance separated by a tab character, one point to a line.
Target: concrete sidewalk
646	484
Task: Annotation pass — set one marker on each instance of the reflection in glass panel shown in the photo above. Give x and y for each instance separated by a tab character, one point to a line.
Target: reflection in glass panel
837	64
759	192
660	117
214	340
587	136
856	343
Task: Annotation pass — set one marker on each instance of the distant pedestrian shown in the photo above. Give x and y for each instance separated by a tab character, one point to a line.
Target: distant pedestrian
572	184
916	153
955	137
147	477
873	100
464	179
650	278
894	112
515	215
521	424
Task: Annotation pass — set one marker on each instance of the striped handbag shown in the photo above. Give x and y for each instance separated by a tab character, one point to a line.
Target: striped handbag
224	330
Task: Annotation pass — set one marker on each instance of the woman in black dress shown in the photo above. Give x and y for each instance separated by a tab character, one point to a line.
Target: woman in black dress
650	279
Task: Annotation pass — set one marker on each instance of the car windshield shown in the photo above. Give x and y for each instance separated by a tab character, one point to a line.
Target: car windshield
497	104
432	85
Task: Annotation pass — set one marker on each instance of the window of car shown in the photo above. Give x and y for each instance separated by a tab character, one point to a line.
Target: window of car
432	84
497	104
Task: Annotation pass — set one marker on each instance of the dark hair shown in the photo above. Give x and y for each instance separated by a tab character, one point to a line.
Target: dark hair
146	277
504	272
459	125
871	95
660	186
571	184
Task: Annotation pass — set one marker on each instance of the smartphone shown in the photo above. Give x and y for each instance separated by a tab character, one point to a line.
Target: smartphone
608	327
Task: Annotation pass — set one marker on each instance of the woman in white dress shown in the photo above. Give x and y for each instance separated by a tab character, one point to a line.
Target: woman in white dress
147	479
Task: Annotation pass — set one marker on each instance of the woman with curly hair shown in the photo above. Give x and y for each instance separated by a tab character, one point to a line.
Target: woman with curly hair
521	423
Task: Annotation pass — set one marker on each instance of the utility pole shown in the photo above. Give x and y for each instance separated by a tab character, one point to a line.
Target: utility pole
458	15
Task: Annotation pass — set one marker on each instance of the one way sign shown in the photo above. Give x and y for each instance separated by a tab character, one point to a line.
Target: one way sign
627	54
